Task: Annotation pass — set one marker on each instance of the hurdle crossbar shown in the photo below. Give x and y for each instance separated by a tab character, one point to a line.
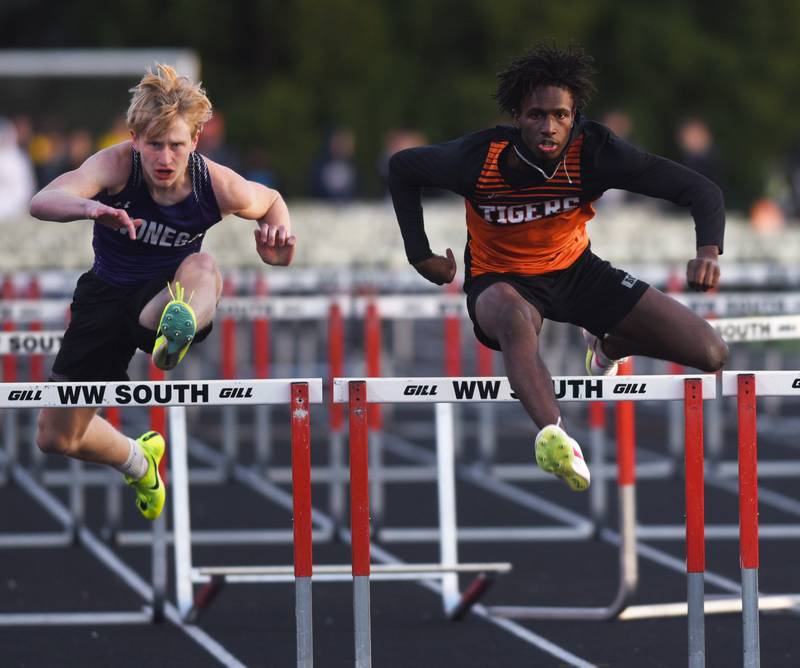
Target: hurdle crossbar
428	306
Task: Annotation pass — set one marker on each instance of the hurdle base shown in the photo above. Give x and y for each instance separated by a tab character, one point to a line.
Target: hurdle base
472	594
204	598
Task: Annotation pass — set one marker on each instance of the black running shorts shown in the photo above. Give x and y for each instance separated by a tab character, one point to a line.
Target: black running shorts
104	330
590	293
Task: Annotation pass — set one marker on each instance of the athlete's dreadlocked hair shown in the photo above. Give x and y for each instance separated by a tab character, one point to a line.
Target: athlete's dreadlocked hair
546	65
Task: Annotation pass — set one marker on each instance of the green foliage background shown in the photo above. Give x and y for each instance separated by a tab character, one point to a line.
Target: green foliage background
286	71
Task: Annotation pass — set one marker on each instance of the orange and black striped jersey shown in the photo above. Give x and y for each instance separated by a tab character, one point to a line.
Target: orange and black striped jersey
531	222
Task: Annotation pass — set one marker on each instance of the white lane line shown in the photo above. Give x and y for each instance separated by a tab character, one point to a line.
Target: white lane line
524	634
105	555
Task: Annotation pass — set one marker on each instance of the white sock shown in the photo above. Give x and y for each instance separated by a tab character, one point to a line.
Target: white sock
136	465
604	359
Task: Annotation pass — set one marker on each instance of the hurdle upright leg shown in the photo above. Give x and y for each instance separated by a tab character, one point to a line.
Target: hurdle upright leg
748	517
301	504
448	541
359	521
373	343
598	494
77	500
336	488
695	520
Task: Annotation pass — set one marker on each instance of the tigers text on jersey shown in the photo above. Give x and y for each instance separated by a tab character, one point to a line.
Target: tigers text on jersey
528	221
543	226
168	234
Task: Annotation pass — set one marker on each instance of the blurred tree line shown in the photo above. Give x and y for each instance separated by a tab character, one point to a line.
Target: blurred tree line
286	71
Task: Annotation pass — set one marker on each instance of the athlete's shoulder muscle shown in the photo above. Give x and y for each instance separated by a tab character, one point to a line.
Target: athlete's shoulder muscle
107	170
230	188
234	193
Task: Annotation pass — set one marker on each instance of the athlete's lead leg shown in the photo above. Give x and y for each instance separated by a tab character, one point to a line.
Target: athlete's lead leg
506	317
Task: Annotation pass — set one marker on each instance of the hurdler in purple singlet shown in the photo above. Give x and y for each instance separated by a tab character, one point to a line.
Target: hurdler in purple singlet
168	235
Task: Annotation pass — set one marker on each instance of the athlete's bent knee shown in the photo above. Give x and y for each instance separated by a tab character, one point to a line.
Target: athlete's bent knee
513	322
201	261
716	354
53	442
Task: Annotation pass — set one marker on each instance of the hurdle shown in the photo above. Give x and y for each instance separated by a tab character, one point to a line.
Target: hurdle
763	328
747	386
444	392
298	393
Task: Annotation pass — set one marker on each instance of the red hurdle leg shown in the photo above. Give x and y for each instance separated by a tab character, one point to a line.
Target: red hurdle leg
301	500
10	371
695	519
748	516
626	434
336	489
452	340
372	336
359	519
374	346
597	441
158	420
487	415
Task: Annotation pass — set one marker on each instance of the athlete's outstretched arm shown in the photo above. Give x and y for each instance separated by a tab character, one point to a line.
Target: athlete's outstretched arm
624	166
411	170
274	240
69	196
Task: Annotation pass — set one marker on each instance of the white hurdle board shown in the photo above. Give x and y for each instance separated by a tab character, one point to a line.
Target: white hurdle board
443	392
759	328
154	393
175	395
498	389
30	343
768	383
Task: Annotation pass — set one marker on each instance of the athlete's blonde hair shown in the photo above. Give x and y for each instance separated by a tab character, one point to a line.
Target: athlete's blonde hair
163	95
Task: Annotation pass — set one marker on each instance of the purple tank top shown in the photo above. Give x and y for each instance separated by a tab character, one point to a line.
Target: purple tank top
168	235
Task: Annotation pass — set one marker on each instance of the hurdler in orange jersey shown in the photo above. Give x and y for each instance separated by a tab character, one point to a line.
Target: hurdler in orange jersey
533	220
529	191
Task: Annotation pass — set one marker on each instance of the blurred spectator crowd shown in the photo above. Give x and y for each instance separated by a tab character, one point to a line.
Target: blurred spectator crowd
30	157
